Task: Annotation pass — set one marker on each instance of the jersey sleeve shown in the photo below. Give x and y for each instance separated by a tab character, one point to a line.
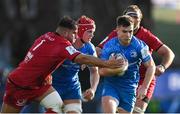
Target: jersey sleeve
70	52
144	52
110	36
152	41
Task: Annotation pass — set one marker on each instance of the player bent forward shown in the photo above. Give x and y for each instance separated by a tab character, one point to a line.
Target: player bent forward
66	78
30	80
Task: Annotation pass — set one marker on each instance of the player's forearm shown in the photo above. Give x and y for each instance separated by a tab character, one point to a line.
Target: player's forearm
94	80
149	76
90	60
167	56
108	71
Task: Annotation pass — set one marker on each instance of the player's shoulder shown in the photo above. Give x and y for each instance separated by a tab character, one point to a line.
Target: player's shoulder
143	32
113	40
89	46
55	37
143	29
137	42
135	39
113	34
111	43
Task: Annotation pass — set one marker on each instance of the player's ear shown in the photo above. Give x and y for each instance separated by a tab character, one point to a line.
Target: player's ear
118	28
65	33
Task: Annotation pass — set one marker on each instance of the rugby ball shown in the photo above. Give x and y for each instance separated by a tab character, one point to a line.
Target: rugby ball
125	65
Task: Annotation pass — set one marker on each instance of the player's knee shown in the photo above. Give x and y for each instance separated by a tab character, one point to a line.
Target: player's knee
138	110
73	107
52	101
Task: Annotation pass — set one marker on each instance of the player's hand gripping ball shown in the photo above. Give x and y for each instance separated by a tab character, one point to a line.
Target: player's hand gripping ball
124	67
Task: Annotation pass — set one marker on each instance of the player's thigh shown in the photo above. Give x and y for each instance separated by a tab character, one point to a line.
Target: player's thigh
110	99
109	104
14	98
51	100
9	109
72	105
127	100
70	93
47	92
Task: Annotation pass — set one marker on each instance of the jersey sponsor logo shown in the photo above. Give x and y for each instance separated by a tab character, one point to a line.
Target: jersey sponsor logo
21	102
71	50
28	57
133	53
145	52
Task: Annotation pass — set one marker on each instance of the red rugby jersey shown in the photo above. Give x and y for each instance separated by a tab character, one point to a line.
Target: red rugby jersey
46	54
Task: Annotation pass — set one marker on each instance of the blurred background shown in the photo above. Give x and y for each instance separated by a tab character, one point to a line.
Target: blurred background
22	21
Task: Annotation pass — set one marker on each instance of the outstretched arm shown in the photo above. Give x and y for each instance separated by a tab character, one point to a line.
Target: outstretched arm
109	71
115	71
167	57
94	61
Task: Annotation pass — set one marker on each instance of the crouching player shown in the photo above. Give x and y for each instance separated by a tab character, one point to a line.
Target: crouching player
29	81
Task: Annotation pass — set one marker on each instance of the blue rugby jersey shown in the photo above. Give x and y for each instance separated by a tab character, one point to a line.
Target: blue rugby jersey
67	74
136	52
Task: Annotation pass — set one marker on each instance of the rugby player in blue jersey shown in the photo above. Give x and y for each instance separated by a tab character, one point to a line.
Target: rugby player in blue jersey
65	78
119	85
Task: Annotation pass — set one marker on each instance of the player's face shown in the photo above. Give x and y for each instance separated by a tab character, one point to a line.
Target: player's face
125	34
136	18
88	35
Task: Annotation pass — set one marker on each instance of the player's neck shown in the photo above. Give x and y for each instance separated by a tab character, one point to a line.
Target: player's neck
78	43
124	43
62	32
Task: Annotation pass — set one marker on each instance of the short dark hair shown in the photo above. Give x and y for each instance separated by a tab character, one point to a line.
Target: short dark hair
67	22
124	21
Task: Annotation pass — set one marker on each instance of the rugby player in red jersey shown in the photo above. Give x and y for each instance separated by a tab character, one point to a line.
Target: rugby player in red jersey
154	45
31	81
